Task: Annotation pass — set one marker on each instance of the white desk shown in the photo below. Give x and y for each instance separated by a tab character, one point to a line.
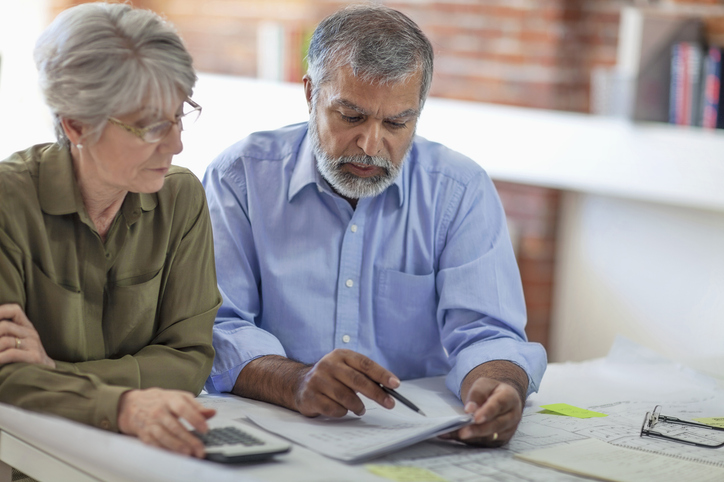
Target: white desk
49	448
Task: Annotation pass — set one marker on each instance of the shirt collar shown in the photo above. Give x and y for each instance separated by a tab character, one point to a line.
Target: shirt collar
59	193
137	203
306	172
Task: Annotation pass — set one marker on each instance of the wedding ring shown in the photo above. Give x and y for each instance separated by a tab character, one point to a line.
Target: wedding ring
17	343
495	436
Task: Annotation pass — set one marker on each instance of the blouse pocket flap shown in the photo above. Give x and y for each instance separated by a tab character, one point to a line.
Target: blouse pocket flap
56	311
137	295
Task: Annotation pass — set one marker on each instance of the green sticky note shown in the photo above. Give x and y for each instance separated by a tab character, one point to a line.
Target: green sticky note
403	473
713	421
549	412
571	411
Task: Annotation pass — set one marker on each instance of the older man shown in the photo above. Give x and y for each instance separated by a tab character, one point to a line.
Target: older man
351	253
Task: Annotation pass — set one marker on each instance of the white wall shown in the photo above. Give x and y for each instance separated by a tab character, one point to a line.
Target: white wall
24	119
651	272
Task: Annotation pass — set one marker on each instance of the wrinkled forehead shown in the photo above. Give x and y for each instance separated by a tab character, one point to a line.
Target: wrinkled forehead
345	88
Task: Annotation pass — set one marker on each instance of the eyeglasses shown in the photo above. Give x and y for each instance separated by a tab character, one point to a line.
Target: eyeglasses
157	131
682	431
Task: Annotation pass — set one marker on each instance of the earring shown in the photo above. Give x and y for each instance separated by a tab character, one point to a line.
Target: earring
79	146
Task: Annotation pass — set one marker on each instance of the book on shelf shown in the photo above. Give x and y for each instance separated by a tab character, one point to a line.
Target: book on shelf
696	95
712	105
686	84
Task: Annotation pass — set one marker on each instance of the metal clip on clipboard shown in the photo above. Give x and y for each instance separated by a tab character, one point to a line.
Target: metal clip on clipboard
654	418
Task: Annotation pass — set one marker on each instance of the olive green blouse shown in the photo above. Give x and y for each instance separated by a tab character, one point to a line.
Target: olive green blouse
134	312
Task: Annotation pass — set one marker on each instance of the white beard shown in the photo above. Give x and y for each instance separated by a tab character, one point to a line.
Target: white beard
347	184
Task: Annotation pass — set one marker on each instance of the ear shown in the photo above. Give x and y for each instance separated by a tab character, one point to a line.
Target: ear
308	91
74	130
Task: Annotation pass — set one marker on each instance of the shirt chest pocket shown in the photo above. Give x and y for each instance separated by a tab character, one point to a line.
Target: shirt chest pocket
56	311
405	308
129	322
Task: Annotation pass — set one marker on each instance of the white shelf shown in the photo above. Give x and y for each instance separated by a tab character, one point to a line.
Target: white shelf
579	152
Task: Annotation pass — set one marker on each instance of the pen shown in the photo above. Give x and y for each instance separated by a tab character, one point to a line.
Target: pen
404	401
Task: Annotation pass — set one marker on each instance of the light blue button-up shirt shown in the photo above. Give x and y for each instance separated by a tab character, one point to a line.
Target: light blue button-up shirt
421	278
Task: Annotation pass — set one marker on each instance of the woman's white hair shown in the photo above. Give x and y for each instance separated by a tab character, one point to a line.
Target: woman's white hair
99	60
380	45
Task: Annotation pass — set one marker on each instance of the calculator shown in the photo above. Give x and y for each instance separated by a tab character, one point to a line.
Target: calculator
231	441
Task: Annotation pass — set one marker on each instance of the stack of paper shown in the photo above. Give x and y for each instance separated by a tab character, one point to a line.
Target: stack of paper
352	438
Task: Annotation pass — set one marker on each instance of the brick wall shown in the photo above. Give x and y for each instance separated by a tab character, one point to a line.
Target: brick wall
533	53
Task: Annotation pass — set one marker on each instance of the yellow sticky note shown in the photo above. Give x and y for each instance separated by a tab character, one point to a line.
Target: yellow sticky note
402	473
713	421
571	411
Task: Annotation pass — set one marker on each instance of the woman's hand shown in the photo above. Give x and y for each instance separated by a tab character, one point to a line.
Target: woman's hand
19	342
153	416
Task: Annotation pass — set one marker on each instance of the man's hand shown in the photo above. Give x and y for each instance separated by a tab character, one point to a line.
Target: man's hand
494	394
153	416
328	388
19	341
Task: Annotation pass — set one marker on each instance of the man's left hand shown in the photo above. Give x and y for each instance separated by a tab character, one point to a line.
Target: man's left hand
493	394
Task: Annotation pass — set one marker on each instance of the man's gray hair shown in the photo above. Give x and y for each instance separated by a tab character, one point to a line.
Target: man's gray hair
100	60
379	44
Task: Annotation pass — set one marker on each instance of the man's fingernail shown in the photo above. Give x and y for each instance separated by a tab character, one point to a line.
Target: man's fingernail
481	419
470	407
389	402
394	382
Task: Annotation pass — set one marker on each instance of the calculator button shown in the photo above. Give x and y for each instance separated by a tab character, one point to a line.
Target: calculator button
227	436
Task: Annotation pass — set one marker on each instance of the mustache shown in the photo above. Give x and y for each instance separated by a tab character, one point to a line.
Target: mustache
363	159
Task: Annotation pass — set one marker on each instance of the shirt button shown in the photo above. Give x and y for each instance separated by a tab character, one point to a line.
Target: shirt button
346	338
349	283
105	424
354	228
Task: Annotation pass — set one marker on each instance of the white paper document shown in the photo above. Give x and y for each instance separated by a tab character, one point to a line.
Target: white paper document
352	438
594	458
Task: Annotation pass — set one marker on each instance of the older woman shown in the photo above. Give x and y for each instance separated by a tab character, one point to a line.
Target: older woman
107	284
